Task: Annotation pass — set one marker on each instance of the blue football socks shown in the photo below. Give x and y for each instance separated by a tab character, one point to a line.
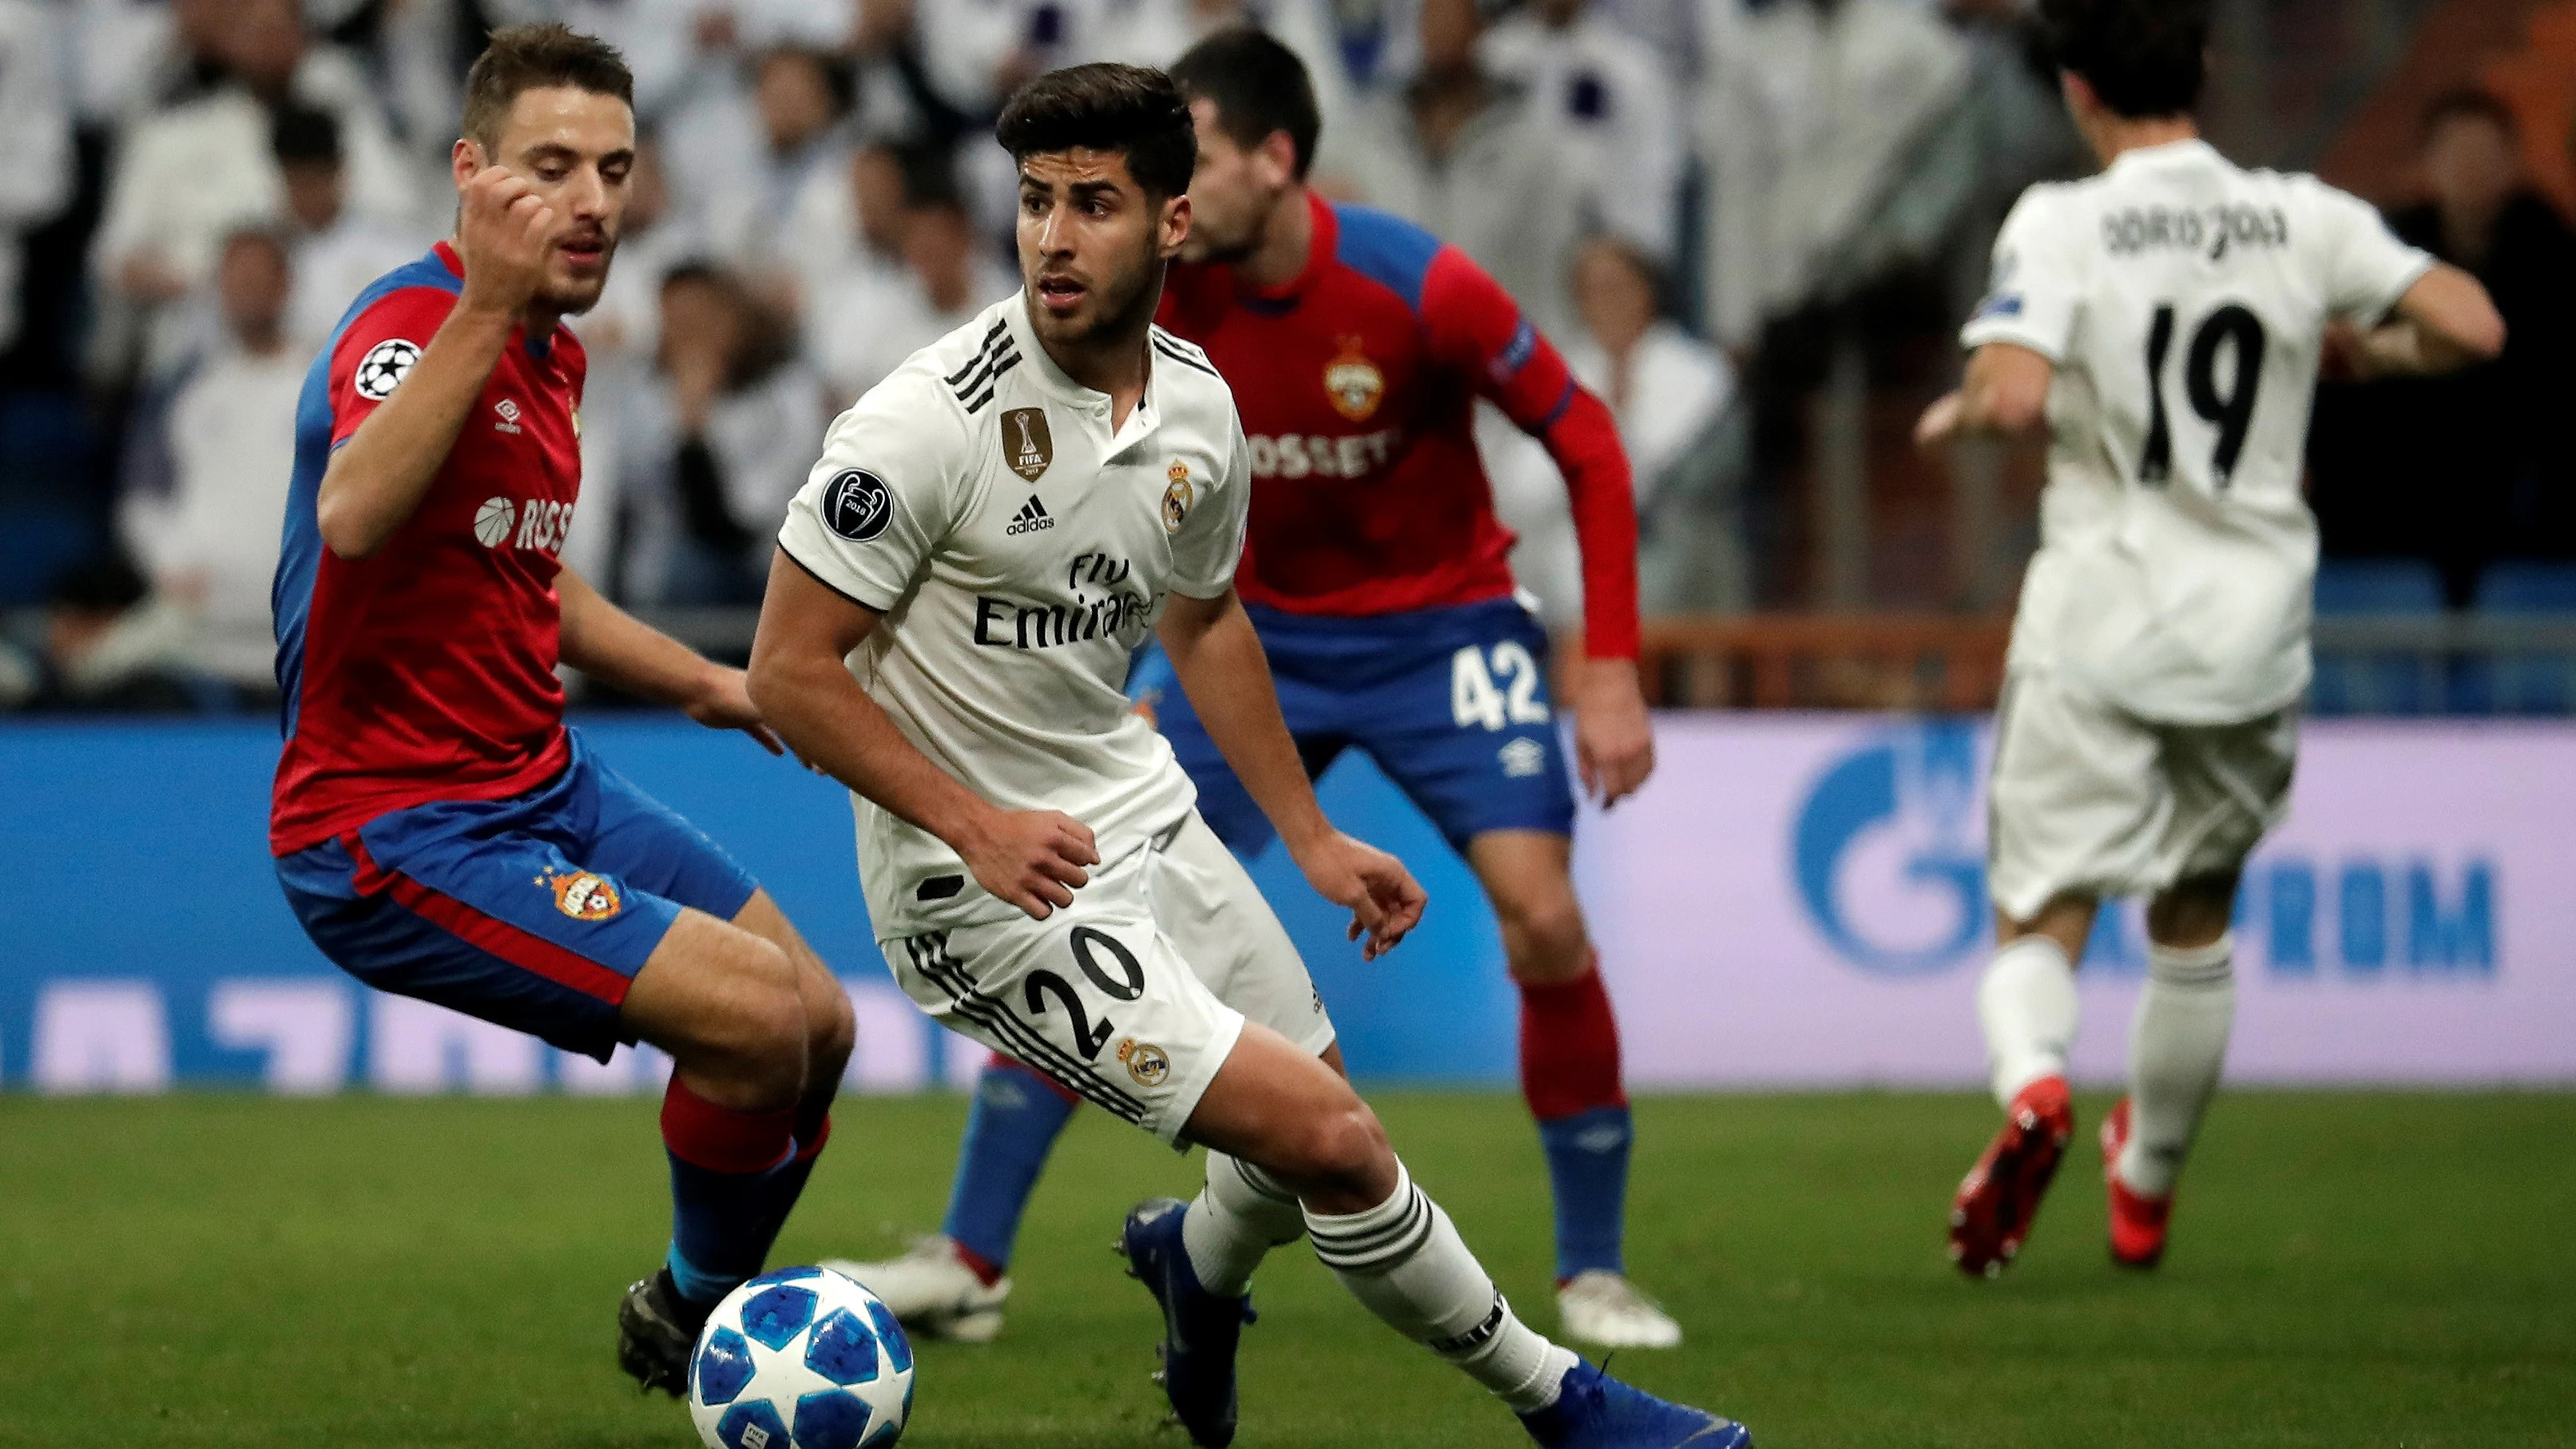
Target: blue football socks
1009	1132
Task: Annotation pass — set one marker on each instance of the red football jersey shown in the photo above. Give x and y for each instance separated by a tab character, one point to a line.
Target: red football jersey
427	671
1357	383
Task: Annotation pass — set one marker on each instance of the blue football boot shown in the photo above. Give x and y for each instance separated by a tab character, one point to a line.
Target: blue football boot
1595	1411
1199	1328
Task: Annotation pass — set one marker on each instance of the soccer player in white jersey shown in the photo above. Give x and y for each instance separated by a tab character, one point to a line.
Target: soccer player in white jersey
988	536
2163	321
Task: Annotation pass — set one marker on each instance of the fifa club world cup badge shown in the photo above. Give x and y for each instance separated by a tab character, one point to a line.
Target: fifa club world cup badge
1026	444
1176	498
1146	1062
1353	382
581	895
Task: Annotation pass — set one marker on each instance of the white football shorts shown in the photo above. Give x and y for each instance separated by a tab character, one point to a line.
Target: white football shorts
2086	799
1132	996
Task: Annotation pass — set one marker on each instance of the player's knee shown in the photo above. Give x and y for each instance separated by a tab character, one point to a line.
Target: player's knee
831	1028
1340	1152
2194	911
1543	936
764	1032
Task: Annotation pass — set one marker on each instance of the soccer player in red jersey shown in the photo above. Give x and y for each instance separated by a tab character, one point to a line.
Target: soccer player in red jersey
1357	346
438	830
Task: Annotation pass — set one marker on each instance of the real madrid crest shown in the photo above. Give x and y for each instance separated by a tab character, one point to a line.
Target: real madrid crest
1176	498
1353	382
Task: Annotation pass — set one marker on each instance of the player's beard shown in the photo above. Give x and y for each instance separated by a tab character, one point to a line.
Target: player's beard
1125	303
580	297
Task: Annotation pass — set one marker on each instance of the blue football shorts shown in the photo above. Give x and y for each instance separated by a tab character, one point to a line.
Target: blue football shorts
1451	703
533	912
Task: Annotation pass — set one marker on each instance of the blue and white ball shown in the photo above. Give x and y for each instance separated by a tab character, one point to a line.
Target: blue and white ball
802	1358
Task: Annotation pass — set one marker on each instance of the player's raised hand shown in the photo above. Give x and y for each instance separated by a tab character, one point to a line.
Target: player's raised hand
1034	859
1385	900
506	234
1614	742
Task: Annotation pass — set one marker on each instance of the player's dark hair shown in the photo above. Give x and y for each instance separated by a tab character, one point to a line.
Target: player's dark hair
2468	103
523	58
301	134
1107	107
1259	87
2143	58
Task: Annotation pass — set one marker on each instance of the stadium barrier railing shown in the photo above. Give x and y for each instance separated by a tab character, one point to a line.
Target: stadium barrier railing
2403	664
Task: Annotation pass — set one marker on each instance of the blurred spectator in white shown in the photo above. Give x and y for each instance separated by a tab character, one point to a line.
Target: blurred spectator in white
976	52
339	252
1155	32
1666	389
131	56
800	96
1464	154
710	464
1613	102
1669	28
710	118
190	174
846	234
1812	114
36	164
213	545
859	331
109	645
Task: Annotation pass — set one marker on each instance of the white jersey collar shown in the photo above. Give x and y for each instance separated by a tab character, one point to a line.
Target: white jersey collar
2190	151
1090	402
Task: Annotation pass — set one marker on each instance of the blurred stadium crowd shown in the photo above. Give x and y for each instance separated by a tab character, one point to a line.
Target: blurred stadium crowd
1744	220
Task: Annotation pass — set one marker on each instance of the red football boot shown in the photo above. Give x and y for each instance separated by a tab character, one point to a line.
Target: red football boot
2137	1221
1991	1216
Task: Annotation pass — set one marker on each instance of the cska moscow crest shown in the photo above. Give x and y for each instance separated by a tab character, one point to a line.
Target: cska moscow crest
1353	382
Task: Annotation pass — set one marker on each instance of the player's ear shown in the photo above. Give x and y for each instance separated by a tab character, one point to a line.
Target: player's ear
466	160
1279	158
1176	225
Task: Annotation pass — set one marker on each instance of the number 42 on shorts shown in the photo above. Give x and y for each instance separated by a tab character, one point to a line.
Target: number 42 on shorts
1474	697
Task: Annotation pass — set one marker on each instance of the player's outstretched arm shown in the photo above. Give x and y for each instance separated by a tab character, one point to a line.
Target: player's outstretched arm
2005	394
1032	858
504	234
2446	321
606	642
1221	666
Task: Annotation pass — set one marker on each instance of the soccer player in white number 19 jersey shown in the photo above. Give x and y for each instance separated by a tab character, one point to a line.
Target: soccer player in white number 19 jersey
2164	321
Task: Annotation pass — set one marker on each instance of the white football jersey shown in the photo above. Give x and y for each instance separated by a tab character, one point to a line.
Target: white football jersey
2184	302
1020	550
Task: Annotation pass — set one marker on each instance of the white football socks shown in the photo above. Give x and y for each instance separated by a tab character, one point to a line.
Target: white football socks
2027	1005
1404	1261
1236	1220
2177	1042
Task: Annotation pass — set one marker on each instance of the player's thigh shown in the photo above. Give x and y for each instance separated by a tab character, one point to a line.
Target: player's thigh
2077	800
1094	998
1528	876
1295	1116
498	924
1468	732
714	987
1219	924
2231	786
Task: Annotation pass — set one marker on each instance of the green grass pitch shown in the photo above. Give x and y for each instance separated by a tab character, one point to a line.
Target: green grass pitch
2348	1269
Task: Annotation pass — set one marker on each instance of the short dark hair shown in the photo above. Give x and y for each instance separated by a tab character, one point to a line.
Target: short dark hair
301	134
1107	107
1258	86
2144	58
2468	103
522	58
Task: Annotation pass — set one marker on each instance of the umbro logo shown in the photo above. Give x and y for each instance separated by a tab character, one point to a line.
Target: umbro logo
508	408
1031	517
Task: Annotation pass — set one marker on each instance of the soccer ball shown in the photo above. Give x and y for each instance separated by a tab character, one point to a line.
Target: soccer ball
802	1358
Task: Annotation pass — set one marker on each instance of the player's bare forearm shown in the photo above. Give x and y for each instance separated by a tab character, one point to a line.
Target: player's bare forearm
2446	321
379	476
1221	665
609	644
803	687
2005	394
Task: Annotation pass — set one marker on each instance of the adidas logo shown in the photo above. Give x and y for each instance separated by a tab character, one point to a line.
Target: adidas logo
1031	517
